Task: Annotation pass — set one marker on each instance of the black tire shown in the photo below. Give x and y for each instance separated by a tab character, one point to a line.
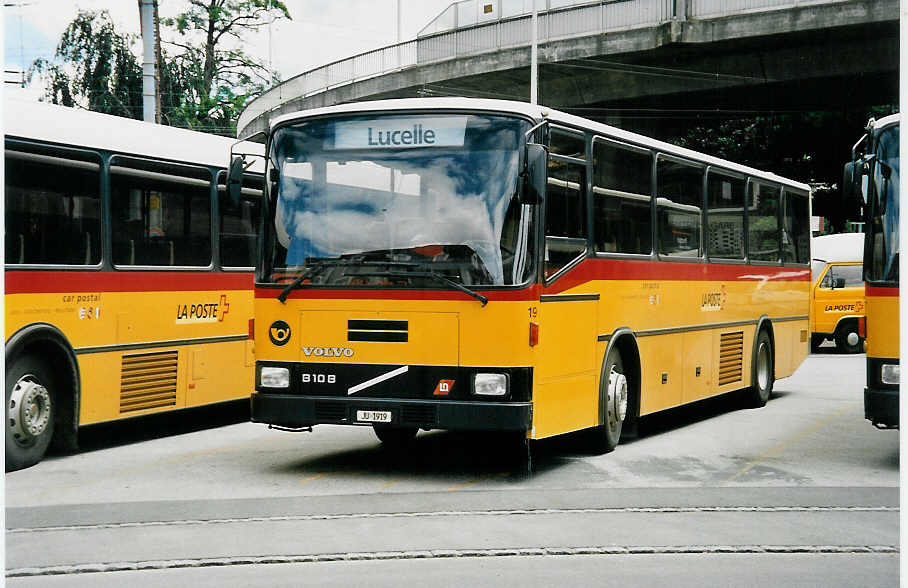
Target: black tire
612	403
395	437
815	342
30	411
763	372
522	449
847	339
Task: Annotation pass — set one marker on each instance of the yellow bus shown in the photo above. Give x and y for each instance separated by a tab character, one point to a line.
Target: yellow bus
128	273
874	172
837	292
453	263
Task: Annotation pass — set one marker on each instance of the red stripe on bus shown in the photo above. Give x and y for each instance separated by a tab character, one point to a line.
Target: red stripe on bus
881	290
627	269
586	271
38	282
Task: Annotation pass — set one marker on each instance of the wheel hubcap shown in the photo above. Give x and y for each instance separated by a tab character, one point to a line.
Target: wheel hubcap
763	367
29	409
852	339
617	395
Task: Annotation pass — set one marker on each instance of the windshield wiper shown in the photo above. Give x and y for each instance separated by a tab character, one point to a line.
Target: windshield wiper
313	264
317	263
430	274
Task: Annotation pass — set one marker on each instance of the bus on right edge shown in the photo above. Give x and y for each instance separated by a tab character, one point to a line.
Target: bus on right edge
874	170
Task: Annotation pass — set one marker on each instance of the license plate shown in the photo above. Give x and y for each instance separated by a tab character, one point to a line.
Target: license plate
373	416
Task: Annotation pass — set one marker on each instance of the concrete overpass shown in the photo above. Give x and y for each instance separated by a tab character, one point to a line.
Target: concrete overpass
626	60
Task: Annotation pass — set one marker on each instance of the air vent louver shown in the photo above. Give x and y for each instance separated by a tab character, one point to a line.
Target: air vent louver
731	357
148	380
377	331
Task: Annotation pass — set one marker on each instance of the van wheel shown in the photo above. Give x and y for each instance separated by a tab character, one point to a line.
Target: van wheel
847	339
30	412
763	372
613	393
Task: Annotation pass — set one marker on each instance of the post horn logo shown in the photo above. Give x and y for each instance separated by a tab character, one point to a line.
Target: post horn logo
279	333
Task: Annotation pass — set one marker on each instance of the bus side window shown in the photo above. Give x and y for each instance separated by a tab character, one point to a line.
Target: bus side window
622	183
160	219
795	232
763	222
52	210
565	215
239	223
725	216
679	206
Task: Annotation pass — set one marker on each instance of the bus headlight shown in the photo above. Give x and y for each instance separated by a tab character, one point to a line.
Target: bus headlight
490	384
274	377
889	373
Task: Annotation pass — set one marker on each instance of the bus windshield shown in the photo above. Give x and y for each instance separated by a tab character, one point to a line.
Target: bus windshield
363	200
882	264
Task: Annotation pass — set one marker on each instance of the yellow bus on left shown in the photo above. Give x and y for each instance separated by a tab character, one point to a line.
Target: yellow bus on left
128	273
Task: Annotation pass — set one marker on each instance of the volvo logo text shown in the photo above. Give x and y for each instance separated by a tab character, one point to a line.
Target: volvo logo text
328	351
279	333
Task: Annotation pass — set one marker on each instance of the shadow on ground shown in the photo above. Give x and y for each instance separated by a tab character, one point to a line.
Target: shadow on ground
158	426
486	456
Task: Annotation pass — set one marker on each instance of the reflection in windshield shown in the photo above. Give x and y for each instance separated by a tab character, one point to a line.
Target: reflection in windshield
425	192
884	222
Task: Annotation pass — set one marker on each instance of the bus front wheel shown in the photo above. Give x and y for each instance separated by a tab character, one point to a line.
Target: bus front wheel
30	411
613	397
763	372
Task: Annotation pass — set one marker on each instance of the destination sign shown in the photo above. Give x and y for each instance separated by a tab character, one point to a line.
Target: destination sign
401	133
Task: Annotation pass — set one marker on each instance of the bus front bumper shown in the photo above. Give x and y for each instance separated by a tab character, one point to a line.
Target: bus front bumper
294	411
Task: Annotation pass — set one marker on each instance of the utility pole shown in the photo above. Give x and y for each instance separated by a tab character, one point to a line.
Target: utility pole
534	58
158	60
149	87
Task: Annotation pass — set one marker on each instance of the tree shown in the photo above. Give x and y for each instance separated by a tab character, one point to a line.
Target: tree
95	68
216	76
203	85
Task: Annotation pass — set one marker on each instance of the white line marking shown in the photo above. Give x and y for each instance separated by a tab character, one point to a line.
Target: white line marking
377	380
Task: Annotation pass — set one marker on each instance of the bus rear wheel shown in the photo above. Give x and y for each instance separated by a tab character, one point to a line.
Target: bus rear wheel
763	372
30	412
395	437
613	397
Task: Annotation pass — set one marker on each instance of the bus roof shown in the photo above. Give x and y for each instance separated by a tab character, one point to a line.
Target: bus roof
887	121
537	113
840	247
93	130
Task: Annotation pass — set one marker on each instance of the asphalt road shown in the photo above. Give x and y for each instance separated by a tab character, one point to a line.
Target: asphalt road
802	492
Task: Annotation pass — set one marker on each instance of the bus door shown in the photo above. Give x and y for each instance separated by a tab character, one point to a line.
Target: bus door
565	396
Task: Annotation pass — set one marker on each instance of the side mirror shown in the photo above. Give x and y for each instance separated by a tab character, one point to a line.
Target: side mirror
838	283
533	188
235	178
851	181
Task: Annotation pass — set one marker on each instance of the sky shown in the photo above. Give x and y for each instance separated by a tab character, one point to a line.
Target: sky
321	31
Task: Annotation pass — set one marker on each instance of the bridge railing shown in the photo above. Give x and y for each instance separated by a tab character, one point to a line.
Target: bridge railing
473	27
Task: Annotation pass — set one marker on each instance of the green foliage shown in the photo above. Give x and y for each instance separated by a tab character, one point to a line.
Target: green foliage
103	73
205	82
216	74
